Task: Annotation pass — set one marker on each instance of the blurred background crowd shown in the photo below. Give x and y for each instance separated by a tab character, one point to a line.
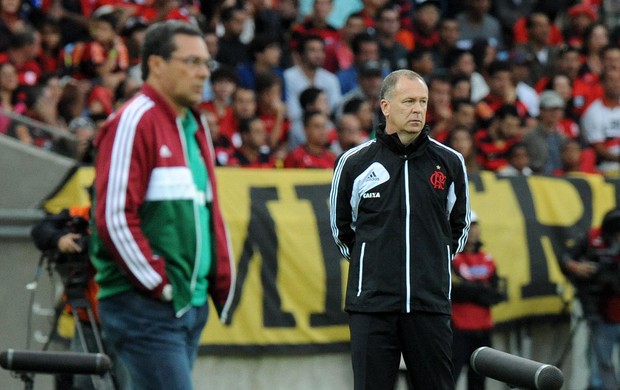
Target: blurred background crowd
519	87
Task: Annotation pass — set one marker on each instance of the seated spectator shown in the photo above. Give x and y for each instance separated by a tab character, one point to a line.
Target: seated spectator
360	107
580	17
253	152
22	52
461	140
309	72
13	20
518	162
265	53
461	87
339	56
426	24
601	125
461	63
439	112
575	159
492	144
49	58
448	36
272	111
221	144
369	77
350	134
545	141
232	51
422	61
502	91
243	107
311	99
387	24
463	115
314	152
365	48
316	23
224	82
11	99
104	58
476	22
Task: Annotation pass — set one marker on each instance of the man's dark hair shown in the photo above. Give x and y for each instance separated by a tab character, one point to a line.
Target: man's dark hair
306	39
261	42
264	81
245	125
224	73
309	114
352	106
499	66
159	40
507	110
226	14
360	39
22	39
309	96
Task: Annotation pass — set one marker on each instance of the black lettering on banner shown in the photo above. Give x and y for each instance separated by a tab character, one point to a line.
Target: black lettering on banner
539	283
318	196
262	237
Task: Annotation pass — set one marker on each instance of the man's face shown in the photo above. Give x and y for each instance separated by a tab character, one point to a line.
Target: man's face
244	104
257	136
500	83
314	54
182	76
405	109
316	130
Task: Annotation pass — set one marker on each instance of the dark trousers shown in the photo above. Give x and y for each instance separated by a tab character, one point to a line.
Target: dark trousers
424	339
465	342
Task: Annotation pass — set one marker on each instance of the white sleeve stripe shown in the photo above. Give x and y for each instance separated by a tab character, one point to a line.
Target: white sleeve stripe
117	192
333	196
463	239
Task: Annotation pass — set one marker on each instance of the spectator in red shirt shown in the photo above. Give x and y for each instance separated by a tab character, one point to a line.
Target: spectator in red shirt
49	57
253	152
22	53
314	153
316	24
339	56
426	24
243	107
224	82
493	143
272	111
9	95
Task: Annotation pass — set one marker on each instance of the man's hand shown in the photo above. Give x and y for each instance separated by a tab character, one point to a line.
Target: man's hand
582	269
68	244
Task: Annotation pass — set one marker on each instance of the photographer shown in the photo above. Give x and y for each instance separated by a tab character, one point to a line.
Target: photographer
64	239
593	266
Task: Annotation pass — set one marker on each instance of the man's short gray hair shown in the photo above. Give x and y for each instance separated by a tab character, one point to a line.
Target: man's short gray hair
389	83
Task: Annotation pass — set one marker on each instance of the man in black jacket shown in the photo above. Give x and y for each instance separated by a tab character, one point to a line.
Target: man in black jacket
399	213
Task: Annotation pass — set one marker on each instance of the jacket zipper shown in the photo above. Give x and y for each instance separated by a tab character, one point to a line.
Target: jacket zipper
197	227
407	239
359	281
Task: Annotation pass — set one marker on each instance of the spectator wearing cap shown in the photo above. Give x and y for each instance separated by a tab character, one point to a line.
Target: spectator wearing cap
369	77
521	71
387	24
601	124
580	17
365	48
544	143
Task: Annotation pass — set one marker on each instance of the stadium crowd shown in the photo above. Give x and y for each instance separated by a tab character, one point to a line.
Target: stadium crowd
519	87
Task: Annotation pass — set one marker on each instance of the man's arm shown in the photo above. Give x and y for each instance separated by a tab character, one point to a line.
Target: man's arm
340	214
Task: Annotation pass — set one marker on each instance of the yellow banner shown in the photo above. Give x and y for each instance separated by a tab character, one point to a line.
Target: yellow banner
291	278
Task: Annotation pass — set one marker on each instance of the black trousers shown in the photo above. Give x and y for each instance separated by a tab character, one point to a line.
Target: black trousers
424	339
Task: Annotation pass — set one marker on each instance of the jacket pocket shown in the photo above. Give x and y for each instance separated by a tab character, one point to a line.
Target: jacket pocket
361	274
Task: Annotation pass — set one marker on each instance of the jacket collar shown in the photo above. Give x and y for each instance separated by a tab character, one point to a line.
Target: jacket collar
392	142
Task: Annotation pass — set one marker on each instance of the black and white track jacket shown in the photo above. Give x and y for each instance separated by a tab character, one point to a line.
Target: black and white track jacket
399	215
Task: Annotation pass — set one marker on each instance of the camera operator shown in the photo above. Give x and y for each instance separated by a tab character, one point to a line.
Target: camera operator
593	266
64	238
